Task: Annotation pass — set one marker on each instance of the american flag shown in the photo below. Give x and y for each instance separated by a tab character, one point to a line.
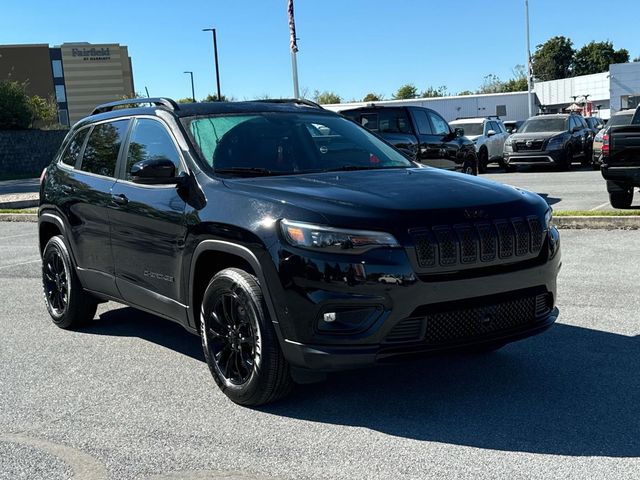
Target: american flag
293	43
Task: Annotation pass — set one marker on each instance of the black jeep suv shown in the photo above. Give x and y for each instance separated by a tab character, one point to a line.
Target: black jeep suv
292	240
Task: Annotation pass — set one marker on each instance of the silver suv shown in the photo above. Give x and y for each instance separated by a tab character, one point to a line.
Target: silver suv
488	135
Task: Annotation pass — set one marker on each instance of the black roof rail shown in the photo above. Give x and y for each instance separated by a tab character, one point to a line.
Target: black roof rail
297	101
160	102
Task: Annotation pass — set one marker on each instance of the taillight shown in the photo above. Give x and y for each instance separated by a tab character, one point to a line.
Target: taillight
42	175
605	145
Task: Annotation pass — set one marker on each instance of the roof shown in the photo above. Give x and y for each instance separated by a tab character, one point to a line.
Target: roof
471	120
209	108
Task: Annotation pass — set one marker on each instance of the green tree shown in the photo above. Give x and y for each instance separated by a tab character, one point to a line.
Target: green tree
185	100
406	91
491	84
373	97
45	112
595	57
465	92
15	108
518	83
431	92
214	98
553	59
326	97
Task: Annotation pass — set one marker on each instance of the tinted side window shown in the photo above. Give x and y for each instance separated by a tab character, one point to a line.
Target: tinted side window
440	126
422	122
571	123
101	153
72	152
369	120
149	141
393	120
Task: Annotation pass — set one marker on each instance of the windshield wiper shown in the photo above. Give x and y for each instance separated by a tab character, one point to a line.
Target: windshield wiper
257	171
346	168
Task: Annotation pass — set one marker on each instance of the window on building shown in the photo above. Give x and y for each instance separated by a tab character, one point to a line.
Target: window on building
63	117
149	141
501	110
101	153
60	95
56	66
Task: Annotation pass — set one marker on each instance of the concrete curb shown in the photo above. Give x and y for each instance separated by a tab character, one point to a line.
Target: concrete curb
18	217
630	222
20	204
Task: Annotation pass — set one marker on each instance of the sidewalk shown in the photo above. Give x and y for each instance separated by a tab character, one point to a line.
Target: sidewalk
19	193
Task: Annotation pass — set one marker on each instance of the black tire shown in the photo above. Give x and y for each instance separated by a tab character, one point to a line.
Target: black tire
239	341
470	166
595	166
67	302
621	199
567	159
483	160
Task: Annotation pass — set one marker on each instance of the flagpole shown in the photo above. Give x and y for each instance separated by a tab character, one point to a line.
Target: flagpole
293	45
529	65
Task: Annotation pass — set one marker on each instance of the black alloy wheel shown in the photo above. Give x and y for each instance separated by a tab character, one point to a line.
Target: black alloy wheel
239	340
483	160
55	281
233	338
67	302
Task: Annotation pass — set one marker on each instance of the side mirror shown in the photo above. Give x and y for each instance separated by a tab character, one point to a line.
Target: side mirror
491	133
154	171
575	129
459	131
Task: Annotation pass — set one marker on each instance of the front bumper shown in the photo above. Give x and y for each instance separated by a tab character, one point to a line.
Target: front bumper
416	314
533	157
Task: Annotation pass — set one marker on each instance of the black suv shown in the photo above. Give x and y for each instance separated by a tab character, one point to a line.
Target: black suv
292	240
422	134
556	139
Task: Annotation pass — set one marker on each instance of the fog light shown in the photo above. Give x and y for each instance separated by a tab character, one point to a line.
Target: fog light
330	317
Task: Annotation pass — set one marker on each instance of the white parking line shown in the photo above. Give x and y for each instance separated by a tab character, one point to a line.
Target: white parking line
18	264
599	206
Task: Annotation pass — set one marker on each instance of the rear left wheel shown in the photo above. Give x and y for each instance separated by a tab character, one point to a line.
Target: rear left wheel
239	340
67	302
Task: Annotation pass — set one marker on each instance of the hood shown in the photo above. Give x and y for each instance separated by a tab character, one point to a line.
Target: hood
403	197
534	135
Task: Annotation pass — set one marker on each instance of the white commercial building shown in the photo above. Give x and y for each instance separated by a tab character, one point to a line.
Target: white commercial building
599	94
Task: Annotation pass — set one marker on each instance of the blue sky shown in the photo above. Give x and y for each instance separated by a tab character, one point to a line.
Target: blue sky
351	47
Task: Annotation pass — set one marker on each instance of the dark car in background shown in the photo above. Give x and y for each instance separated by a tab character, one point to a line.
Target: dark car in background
421	133
292	240
595	124
557	139
512	126
619	118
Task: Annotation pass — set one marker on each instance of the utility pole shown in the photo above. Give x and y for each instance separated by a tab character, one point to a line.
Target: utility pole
529	64
193	90
215	58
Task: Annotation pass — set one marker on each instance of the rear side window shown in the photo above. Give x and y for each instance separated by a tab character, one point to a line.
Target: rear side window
101	153
422	122
74	148
150	141
393	120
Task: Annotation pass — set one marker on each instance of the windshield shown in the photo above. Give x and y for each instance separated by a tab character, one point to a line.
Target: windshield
623	119
289	143
542	124
470	129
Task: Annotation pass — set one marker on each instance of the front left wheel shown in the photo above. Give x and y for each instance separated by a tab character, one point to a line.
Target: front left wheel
470	166
67	302
239	340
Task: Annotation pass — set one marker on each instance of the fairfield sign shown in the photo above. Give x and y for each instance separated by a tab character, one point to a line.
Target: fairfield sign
92	53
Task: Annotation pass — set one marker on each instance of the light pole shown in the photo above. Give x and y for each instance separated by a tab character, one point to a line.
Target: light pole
193	90
215	57
529	65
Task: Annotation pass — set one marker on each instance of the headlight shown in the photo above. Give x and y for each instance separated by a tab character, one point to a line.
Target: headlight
337	240
548	219
555	143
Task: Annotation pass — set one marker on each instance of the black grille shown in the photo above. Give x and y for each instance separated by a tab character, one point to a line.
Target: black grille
457	325
528	145
406	331
446	248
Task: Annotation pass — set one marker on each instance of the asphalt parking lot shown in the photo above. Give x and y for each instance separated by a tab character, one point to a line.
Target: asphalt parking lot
579	189
130	396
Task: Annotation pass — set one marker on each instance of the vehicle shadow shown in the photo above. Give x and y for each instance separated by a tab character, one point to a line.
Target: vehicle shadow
570	391
575	167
